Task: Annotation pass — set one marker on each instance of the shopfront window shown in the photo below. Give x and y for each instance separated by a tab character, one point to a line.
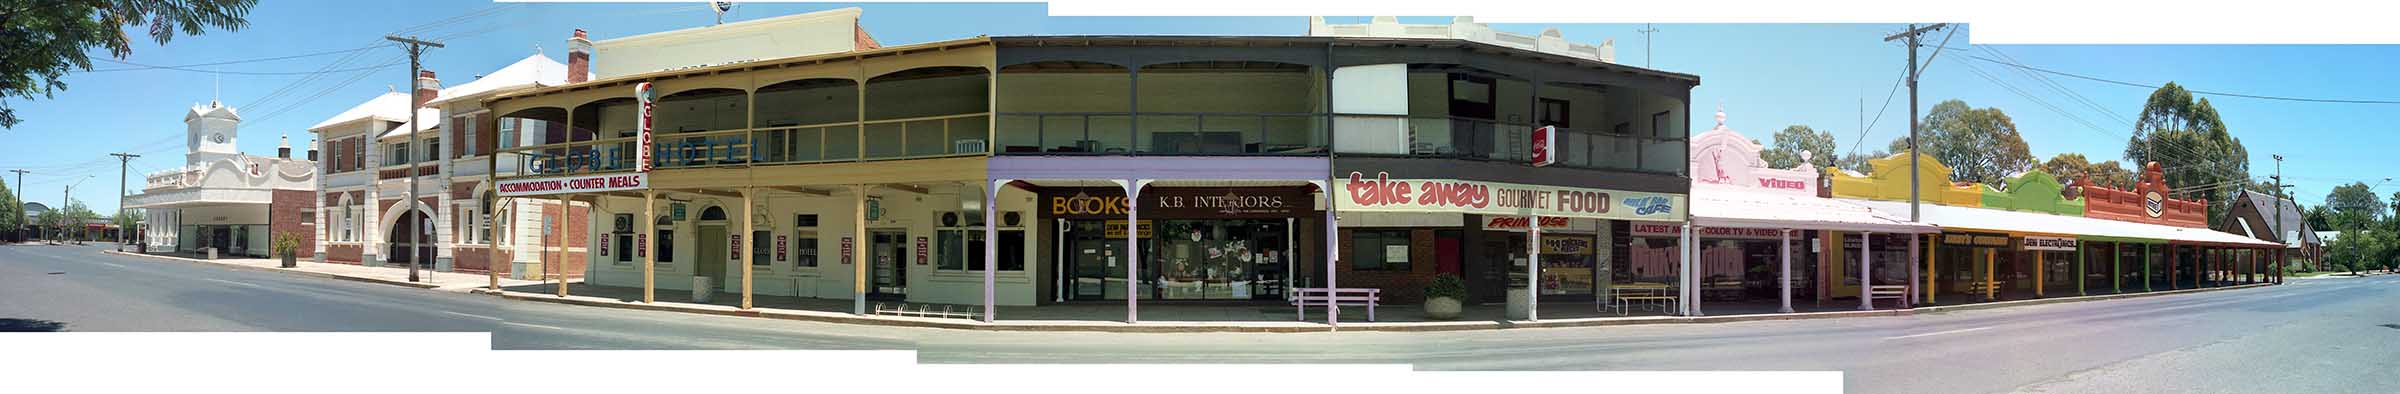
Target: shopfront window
761	254
962	249
1379	250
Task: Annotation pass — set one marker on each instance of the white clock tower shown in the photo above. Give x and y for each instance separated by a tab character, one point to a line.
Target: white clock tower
211	130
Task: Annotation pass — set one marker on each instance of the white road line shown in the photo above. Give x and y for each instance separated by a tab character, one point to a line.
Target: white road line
1963	330
474	316
235	283
112	265
532	325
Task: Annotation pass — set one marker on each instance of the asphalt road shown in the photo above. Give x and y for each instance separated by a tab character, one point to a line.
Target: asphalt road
2315	335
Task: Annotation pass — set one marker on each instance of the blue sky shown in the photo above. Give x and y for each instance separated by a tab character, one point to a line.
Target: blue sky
1767	76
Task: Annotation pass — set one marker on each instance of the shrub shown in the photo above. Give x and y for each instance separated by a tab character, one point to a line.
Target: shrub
1447	285
286	244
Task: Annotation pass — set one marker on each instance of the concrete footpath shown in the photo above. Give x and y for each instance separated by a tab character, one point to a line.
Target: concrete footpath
396	276
478	284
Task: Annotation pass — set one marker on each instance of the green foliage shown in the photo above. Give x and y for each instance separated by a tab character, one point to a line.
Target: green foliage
1447	285
12	215
1785	153
2073	166
2320	218
42	41
286	244
1859	162
1979	144
2189	140
2360	250
2355	197
128	219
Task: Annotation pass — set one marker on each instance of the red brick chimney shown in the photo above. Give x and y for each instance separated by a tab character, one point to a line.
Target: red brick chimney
427	88
579	58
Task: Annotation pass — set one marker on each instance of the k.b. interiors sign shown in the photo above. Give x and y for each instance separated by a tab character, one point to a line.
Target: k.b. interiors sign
1383	194
1206	202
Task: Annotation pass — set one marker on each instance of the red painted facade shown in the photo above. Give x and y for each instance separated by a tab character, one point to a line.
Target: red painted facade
2135	205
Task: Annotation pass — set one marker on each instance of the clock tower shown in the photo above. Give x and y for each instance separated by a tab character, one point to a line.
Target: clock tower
210	133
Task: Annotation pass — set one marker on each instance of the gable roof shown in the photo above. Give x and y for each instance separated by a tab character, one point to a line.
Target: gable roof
391	106
2291	218
532	71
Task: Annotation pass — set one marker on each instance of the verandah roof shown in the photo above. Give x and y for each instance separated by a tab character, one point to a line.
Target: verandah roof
1954	217
1726	206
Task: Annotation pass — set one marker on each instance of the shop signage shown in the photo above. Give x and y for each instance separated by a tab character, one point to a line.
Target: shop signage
1383	194
641	245
845	250
779	245
2154	204
677	209
641	154
604	248
1545	141
1116	229
1518	222
2049	243
1657	229
923	250
573	184
874	209
735	242
1997	240
1182	202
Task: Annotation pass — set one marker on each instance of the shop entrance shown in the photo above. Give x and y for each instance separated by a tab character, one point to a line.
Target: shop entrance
712	254
887	250
1183	259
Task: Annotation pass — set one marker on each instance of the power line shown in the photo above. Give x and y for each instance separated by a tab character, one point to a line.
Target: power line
179	68
148	67
2194	91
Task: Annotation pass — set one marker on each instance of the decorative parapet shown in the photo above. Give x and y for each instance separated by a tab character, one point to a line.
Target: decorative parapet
1465	28
2034	191
1892	185
2146	203
1723	156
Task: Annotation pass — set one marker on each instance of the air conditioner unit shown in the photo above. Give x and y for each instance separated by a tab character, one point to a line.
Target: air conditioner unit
967	146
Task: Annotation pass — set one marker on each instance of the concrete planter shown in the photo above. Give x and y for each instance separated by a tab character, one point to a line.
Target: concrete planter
1520	302
291	261
1443	308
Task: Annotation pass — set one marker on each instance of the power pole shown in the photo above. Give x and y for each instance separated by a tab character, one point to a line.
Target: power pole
20	230
122	232
416	48
1646	30
1911	35
2278	177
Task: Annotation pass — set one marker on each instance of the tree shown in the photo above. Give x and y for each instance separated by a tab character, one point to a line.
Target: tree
127	220
1979	144
1859	162
11	218
2354	248
2189	140
2319	218
42	40
2355	197
1785	153
2075	166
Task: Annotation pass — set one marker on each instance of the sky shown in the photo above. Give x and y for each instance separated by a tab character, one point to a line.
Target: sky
1765	76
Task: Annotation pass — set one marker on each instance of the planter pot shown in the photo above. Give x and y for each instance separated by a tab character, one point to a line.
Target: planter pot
290	261
1443	308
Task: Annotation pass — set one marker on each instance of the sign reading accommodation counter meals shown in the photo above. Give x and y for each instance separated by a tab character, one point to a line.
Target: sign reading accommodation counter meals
1381	193
573	184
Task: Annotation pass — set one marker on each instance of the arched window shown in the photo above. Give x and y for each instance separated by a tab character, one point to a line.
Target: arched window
713	214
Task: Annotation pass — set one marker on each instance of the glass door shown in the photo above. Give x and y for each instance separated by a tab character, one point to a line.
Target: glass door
888	252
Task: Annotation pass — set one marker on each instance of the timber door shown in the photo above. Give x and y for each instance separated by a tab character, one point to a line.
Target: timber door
712	248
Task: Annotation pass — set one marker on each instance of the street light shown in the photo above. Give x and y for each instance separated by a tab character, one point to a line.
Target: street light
65	198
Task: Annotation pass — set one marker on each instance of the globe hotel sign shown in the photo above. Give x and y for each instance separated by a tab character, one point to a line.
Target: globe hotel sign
1383	194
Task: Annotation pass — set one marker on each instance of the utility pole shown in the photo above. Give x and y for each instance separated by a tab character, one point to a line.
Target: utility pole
1646	30
123	233
20	230
1911	35
2278	177
67	198
416	48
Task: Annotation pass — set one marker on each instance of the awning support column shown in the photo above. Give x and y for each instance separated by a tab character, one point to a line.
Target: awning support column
1783	278
2039	265
856	250
2146	267
749	230
1991	284
2116	266
2080	277
1688	291
1533	268
649	253
991	247
1866	268
1333	249
1909	298
564	205
1933	272
1133	251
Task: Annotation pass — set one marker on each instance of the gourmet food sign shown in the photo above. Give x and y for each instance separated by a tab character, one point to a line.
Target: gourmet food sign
1383	194
573	184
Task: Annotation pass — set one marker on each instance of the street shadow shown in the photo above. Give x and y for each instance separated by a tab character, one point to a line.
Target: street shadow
11	324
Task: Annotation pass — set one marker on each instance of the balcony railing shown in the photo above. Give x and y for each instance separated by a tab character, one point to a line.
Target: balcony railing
1163	133
891	139
1481	139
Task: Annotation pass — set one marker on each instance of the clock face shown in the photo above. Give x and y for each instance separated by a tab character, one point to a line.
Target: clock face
216	138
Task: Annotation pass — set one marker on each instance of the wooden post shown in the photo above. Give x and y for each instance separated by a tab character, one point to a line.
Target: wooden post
1933	272
649	253
564	205
2038	266
749	219
2080	276
1991	284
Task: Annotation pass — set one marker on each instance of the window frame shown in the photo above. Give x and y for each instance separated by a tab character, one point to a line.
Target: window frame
1371	242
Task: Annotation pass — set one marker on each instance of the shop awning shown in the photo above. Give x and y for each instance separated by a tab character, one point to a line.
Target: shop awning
1986	219
1725	206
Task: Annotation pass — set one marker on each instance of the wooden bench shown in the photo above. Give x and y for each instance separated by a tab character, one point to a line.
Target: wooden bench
1335	297
1982	288
925	311
1888	292
1624	296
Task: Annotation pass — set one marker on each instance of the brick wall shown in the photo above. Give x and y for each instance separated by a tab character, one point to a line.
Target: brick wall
474	259
285	209
1398	286
342	254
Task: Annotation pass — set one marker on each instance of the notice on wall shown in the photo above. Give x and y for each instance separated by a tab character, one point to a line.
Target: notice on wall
734	243
924	249
845	250
641	245
780	242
